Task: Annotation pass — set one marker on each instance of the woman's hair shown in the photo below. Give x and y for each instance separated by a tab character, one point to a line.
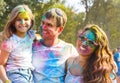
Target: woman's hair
101	63
9	28
58	15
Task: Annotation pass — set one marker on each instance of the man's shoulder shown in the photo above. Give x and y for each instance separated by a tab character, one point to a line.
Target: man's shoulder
66	43
37	43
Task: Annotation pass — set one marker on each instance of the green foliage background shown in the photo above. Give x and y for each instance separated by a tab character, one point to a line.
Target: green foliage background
104	13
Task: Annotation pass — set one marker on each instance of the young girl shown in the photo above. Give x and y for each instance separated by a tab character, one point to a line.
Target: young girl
16	47
95	63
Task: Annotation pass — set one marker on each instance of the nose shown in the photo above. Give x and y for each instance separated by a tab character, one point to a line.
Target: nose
84	43
22	21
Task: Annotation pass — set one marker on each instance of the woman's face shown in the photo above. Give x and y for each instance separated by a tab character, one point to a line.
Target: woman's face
86	43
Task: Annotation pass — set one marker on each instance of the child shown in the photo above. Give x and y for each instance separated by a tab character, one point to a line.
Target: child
16	47
95	63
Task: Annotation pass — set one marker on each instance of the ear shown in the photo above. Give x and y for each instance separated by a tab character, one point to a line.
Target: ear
60	29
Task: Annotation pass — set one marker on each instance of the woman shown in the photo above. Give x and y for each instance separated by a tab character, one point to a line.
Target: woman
95	63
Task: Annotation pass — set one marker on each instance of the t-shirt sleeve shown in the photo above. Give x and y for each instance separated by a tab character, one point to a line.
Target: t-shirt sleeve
74	51
6	46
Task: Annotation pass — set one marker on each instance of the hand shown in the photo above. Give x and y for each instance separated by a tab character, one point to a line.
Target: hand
8	81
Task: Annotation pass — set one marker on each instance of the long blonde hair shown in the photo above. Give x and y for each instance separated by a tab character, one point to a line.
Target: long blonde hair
9	28
101	63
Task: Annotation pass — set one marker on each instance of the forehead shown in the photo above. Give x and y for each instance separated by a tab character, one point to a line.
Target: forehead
49	20
90	35
23	15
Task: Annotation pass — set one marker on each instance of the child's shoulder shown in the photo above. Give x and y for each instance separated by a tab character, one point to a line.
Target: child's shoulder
7	45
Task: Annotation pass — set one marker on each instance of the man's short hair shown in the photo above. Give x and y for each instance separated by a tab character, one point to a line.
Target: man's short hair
57	14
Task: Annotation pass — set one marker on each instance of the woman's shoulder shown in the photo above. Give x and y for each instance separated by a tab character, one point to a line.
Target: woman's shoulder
70	61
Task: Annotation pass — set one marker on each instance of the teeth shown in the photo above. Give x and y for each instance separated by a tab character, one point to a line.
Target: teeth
82	48
23	27
44	31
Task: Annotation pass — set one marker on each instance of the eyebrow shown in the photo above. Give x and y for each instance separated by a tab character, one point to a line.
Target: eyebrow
50	23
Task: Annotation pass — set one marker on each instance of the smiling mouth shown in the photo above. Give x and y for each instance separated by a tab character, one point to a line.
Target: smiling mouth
44	32
82	48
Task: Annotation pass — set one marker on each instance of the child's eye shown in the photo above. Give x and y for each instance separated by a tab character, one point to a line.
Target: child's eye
26	19
18	19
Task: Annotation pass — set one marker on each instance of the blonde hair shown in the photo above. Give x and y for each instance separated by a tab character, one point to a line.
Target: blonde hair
101	63
9	28
57	14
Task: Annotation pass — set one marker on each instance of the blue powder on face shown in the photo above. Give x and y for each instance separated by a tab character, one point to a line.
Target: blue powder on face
43	18
41	30
90	35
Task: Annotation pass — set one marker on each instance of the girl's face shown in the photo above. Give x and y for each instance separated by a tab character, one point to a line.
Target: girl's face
86	43
22	22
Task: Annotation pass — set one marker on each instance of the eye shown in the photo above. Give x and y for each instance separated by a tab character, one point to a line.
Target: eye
50	25
91	42
82	38
26	19
18	19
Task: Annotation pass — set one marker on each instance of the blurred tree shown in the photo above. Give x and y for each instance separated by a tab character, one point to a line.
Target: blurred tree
39	7
2	10
104	13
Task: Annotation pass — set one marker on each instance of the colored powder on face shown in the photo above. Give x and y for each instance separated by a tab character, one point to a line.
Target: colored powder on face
90	35
43	18
24	15
40	30
21	9
51	21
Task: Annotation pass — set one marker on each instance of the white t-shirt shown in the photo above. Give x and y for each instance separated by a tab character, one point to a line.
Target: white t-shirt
49	62
20	51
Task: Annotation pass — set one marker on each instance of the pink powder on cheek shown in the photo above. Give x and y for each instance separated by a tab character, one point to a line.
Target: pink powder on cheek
4	45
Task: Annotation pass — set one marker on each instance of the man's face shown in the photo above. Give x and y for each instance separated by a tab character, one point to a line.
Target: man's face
49	29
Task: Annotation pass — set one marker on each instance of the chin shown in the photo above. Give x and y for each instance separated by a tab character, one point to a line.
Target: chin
84	53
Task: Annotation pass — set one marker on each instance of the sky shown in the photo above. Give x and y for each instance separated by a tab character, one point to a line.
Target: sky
76	5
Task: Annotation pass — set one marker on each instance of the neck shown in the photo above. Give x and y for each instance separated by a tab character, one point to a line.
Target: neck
22	35
83	60
51	42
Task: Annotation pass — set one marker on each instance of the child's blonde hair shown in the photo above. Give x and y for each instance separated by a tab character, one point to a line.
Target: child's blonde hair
9	28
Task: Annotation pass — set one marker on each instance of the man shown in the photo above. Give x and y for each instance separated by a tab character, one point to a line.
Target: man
51	53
